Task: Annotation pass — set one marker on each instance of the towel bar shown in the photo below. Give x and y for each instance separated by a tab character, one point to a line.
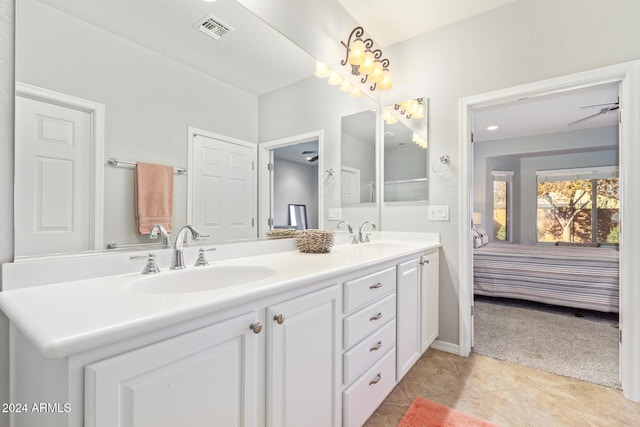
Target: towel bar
115	162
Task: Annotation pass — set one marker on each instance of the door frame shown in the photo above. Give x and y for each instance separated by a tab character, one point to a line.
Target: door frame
96	113
265	177
628	76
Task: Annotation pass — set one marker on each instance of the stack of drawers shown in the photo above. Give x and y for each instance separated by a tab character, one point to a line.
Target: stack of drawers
369	360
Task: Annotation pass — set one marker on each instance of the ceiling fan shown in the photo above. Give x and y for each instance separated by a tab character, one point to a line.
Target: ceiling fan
311	159
612	106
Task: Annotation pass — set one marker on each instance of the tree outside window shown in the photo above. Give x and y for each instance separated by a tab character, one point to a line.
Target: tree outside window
579	210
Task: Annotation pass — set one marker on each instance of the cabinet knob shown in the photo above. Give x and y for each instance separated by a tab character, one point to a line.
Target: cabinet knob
376	286
376	380
376	317
256	327
424	261
377	346
279	318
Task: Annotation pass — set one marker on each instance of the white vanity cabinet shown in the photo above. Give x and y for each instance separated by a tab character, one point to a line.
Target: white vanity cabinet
321	346
216	375
429	299
418	293
369	342
213	373
303	361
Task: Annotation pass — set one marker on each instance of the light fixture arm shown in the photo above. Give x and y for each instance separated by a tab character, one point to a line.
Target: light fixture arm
357	32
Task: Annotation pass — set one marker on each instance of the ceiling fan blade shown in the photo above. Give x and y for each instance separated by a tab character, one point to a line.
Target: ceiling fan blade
604	110
600	105
313	159
310	152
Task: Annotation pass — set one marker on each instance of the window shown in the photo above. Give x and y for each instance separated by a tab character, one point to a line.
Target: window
502	205
581	206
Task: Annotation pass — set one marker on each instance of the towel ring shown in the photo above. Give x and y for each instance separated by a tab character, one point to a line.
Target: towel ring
442	165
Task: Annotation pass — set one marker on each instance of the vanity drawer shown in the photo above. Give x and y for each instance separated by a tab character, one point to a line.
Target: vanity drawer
362	398
364	322
368	351
361	291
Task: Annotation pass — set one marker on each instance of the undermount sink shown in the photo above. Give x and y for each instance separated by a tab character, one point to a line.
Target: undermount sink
200	279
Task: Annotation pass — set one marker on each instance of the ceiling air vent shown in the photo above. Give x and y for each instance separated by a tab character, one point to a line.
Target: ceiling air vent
213	27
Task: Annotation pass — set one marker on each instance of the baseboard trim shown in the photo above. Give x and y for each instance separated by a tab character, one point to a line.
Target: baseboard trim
446	346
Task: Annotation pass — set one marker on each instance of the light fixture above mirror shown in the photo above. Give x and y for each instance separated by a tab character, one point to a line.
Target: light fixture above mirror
365	62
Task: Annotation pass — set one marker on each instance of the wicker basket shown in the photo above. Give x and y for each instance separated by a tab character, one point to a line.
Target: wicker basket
315	241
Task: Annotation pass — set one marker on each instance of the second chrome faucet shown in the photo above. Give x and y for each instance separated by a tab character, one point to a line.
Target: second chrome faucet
177	257
360	237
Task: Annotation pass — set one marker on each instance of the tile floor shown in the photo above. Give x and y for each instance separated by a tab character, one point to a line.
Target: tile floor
505	394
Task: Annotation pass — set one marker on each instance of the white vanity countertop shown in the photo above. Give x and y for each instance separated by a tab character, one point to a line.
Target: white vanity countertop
71	317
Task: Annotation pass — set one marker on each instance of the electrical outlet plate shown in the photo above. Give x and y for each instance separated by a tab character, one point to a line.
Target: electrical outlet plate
438	213
335	214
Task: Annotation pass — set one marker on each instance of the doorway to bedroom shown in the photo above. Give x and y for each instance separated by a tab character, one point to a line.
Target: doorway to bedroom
546	227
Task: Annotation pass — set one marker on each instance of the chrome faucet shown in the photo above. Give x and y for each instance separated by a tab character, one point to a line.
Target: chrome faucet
350	229
153	235
366	238
177	258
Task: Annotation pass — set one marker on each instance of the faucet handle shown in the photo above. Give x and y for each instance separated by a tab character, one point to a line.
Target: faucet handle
366	238
354	239
202	260
151	267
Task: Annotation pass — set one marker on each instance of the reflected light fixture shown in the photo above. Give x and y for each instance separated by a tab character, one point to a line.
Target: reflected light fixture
412	108
366	62
335	79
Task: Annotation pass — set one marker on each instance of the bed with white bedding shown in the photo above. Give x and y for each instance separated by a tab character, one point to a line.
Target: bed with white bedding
577	277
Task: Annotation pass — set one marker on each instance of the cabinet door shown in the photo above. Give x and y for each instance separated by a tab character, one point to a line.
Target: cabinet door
430	294
303	361
408	316
212	376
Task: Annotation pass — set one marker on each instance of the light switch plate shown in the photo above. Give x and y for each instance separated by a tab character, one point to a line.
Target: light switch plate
335	214
438	213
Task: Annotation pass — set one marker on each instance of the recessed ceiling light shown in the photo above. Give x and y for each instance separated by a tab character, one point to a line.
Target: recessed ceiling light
492	127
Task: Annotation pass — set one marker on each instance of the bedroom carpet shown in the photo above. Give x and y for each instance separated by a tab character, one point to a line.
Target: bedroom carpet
549	338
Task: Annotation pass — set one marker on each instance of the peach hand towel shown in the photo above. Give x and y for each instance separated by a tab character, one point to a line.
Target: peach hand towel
154	196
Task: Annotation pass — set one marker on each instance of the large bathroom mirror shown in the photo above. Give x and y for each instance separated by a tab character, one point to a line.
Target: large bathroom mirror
405	151
156	71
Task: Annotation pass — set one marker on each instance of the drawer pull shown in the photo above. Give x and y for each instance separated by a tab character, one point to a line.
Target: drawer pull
279	318
376	317
376	380
376	286
377	346
256	327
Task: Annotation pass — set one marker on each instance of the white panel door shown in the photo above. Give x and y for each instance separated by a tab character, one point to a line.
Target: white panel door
210	377
303	361
53	178
223	192
408	317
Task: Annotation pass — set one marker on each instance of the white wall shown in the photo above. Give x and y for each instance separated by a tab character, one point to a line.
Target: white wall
6	179
150	101
526	155
526	41
295	183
